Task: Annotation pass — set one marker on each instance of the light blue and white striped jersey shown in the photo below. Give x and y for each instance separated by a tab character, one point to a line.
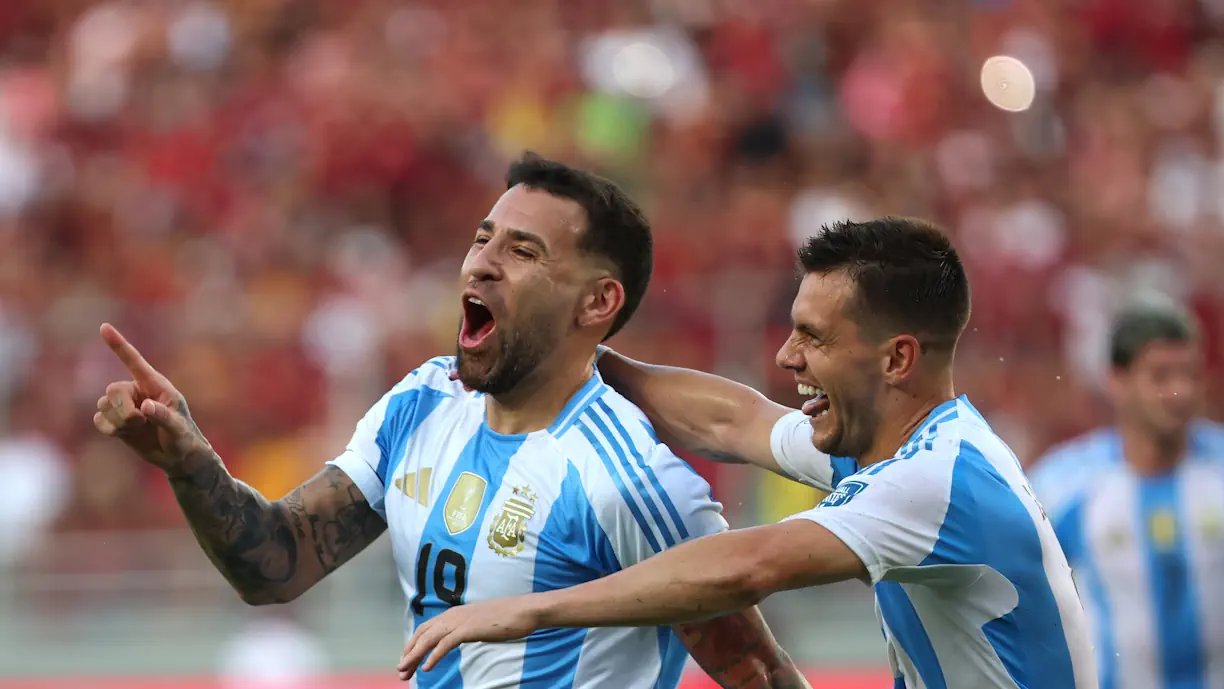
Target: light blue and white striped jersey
475	515
1148	554
972	590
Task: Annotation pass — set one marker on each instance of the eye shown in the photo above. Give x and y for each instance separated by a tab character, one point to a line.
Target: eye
523	252
481	240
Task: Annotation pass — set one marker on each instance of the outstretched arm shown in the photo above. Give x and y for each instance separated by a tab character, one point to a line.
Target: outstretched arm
270	552
739	652
698	580
705	414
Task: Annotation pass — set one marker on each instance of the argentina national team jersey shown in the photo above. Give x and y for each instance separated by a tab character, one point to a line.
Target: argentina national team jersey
1148	554
972	589
474	515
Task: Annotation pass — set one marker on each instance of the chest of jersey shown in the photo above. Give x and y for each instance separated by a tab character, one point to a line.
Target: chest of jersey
1153	550
465	511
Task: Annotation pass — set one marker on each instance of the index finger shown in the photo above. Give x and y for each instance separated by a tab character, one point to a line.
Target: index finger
131	358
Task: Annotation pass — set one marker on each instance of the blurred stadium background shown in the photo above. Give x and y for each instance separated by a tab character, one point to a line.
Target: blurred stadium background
271	198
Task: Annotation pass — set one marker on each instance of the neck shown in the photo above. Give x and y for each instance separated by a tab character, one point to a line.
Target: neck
537	401
1149	454
908	410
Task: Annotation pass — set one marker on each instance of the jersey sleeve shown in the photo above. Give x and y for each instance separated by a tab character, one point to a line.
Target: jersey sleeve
657	503
889	514
791	442
386	427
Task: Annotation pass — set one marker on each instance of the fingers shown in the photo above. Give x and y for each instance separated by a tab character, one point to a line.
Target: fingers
118	407
161	415
103	425
445	645
427	636
140	369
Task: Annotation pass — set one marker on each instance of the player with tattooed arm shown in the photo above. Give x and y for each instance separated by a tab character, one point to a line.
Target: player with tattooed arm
526	474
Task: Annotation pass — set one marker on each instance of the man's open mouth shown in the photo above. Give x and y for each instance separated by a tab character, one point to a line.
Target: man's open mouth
478	323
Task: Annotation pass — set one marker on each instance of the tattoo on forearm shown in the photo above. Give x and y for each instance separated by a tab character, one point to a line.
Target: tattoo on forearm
738	652
264	548
248	538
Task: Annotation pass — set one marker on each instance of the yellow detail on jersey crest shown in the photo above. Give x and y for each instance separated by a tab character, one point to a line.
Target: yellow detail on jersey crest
508	532
1163	529
464	502
408	484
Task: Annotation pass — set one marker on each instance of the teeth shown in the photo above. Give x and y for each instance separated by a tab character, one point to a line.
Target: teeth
476	301
809	390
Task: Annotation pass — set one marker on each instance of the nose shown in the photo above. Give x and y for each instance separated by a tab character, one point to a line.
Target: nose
788	356
484	262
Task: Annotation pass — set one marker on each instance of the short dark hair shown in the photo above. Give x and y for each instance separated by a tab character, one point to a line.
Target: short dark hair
617	229
1141	323
907	275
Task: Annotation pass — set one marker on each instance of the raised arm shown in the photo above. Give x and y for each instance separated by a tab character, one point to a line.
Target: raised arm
270	552
703	413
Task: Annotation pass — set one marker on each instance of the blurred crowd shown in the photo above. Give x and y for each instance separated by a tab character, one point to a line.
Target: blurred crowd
271	198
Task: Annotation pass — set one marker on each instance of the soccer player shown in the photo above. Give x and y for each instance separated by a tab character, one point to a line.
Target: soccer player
540	477
927	503
1139	510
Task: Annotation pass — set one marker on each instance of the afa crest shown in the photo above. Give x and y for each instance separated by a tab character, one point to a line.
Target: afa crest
508	532
1162	528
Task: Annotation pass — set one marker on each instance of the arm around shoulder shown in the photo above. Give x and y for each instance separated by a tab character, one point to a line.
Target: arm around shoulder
706	414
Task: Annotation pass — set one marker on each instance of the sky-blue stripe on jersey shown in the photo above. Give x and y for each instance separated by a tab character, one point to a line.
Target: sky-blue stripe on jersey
584	426
1029	639
486	455
572	549
405	413
634	477
590	391
908	632
948	411
645	467
672	658
1069	527
1173	599
842	467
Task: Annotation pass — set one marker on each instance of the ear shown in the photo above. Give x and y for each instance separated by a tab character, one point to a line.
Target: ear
901	358
600	305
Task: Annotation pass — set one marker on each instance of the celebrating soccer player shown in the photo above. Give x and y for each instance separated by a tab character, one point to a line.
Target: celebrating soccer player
927	503
526	474
1139	510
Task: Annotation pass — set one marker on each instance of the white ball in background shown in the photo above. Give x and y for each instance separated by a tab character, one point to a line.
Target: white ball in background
1008	84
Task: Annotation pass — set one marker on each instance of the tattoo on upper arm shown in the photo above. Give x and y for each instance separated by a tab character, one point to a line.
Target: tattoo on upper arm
739	652
338	536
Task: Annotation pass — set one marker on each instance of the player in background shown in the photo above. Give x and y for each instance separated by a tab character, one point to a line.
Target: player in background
527	474
927	503
1139	510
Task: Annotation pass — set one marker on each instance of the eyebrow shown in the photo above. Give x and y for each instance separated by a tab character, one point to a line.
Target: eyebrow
516	234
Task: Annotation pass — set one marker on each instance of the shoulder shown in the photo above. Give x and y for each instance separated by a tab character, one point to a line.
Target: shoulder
430	379
625	469
1067	470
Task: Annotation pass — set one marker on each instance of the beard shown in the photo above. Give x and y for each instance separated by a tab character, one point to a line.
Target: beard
517	353
857	420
